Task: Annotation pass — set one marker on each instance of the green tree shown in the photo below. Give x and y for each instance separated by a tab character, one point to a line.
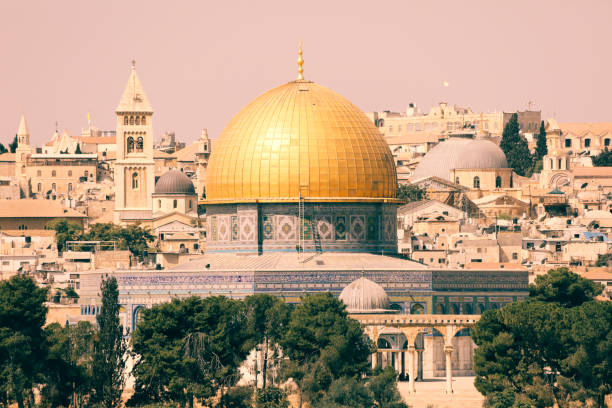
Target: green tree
541	149
383	386
236	397
13	145
271	397
2	149
65	231
515	147
189	348
267	318
110	348
323	344
133	237
22	339
548	348
347	392
410	192
603	159
78	149
564	287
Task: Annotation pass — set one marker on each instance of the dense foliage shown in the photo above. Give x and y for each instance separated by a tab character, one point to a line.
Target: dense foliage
541	149
132	237
13	145
410	192
555	347
515	147
603	159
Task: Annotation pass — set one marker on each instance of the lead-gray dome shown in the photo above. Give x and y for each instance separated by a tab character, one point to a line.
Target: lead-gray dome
365	296
460	153
174	182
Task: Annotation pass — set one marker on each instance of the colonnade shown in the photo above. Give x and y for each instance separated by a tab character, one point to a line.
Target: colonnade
411	326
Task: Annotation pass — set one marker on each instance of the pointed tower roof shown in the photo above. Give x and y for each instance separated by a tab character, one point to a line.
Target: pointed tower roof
23	127
134	98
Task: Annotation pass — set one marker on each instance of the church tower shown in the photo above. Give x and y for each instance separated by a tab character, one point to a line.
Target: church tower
134	168
22	155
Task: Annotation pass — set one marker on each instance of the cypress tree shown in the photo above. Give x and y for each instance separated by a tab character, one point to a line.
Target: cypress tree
541	148
515	147
78	149
13	145
110	349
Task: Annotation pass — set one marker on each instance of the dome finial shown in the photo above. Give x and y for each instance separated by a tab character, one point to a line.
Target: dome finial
300	62
133	65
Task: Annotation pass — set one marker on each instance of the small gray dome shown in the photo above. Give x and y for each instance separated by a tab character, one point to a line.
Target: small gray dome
460	153
174	182
365	296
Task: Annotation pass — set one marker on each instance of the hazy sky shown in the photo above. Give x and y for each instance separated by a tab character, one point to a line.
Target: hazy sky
201	61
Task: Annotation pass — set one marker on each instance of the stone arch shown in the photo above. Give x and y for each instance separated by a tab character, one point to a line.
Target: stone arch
559	180
417	308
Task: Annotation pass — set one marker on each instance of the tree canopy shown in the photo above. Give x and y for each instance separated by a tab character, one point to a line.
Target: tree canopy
603	159
554	347
410	192
515	147
13	145
541	149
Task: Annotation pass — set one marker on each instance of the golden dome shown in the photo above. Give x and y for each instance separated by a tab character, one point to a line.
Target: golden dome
300	138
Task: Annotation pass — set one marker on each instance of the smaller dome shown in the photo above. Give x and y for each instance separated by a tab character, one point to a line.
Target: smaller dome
174	182
365	296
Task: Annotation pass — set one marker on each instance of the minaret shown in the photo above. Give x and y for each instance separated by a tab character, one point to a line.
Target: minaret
202	155
134	168
23	135
22	154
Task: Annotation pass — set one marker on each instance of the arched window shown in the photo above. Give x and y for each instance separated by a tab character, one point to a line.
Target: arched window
143	120
174	204
417	308
137	122
39	173
69	186
587	142
511	182
476	182
440	309
131	120
130	144
69	173
552	164
139	143
39	187
53	186
607	142
497	182
560	166
126	120
456	309
134	180
481	308
467	308
53	173
190	204
456	180
158	203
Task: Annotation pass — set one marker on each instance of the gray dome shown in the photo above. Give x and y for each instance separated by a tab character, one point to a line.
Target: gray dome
174	182
364	296
460	153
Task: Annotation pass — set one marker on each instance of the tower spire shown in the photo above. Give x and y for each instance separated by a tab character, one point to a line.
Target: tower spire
300	62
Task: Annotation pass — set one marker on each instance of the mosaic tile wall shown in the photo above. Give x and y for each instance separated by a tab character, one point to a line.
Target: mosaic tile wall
355	227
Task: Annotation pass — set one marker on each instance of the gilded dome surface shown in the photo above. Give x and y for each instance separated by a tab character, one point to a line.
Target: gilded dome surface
300	138
363	296
460	153
174	182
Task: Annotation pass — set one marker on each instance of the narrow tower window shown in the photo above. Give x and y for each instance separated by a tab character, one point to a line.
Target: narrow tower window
130	144
476	182
126	120
143	121
131	120
134	180
137	120
497	182
139	143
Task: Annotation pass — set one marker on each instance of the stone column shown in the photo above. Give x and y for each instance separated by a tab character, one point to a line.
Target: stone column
411	373
397	362
448	351
419	365
374	360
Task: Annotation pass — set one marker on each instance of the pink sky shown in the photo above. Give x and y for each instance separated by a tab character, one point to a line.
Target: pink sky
201	61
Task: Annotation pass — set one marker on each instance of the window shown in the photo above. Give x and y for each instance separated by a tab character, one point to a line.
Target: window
568	142
560	166
158	203
130	144
39	173
69	173
53	173
196	247
131	120
69	186
497	182
134	181
143	121
587	142
174	204
606	142
456	180
511	183
125	120
137	121
515	256
190	204
139	144
552	164
86	174
53	186
476	182
39	187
